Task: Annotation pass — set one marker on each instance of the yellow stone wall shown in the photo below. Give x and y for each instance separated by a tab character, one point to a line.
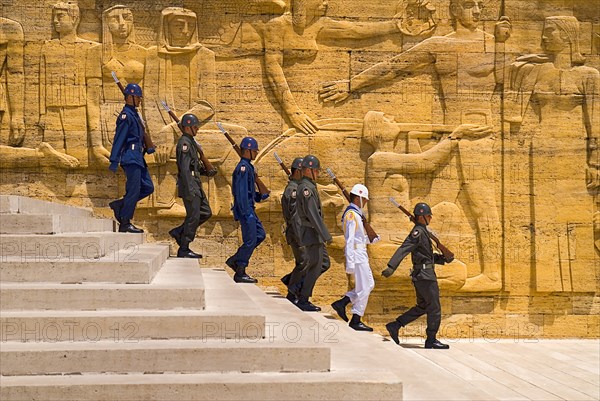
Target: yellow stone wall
494	124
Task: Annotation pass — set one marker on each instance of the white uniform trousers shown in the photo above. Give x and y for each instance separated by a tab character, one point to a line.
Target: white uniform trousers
364	284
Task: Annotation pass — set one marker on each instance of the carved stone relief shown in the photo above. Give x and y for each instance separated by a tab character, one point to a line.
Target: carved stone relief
479	123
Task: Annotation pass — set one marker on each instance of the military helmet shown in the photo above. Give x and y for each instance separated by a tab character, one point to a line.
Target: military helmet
297	163
189	120
310	161
360	190
249	143
133	90
422	209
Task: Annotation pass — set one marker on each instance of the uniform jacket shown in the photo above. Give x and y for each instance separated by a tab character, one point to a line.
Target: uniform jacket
128	144
418	244
244	190
290	214
312	228
189	168
356	238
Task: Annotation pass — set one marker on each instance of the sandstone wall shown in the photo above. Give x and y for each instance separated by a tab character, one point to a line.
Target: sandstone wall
374	89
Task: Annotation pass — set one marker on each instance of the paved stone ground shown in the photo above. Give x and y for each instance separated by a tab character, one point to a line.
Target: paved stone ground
472	369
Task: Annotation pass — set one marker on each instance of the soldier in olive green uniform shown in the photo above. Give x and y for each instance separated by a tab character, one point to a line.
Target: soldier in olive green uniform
189	187
313	234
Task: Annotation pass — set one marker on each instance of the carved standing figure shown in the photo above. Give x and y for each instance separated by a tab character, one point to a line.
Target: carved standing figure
558	98
119	53
11	81
63	97
464	64
293	37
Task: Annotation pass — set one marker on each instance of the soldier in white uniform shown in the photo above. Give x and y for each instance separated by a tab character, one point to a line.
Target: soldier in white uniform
357	260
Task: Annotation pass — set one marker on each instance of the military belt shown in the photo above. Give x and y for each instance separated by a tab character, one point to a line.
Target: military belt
135	146
424	266
360	246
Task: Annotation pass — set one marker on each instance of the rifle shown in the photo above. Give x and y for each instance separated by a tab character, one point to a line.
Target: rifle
210	169
448	255
283	166
370	232
262	188
148	144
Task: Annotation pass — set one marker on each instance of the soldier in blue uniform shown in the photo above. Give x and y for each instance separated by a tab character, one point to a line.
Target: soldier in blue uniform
292	226
128	150
189	187
244	196
418	244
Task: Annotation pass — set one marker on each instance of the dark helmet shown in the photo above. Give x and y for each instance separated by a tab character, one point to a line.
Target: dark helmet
133	90
297	163
249	143
310	161
189	120
422	209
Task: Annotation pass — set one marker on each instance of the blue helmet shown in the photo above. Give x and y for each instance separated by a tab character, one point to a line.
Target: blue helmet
133	90
422	209
189	120
297	163
249	143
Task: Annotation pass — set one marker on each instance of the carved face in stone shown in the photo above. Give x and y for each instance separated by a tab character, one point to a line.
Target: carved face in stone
120	23
467	12
553	40
317	8
181	29
63	21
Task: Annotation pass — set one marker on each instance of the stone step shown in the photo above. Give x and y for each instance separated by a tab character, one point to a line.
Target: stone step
128	325
137	265
178	284
336	385
22	204
161	356
50	247
51	224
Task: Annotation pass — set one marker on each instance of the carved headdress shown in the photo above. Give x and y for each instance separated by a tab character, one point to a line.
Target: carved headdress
569	27
107	40
168	15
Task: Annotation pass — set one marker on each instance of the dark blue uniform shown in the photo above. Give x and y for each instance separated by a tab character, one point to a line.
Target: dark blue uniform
128	151
244	196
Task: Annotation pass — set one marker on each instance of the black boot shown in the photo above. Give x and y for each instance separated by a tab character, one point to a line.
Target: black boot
340	307
305	305
292	298
231	264
357	325
187	253
286	279
129	228
435	344
241	277
176	235
116	206
393	328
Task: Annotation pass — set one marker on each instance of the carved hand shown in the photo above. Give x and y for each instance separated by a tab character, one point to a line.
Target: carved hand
17	132
163	152
101	155
303	122
471	131
502	29
334	91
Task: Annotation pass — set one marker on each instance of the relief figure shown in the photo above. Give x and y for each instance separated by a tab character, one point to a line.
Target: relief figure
120	53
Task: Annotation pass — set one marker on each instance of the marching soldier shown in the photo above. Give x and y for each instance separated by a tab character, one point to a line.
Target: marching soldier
244	197
418	244
128	150
189	187
292	225
313	234
357	260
